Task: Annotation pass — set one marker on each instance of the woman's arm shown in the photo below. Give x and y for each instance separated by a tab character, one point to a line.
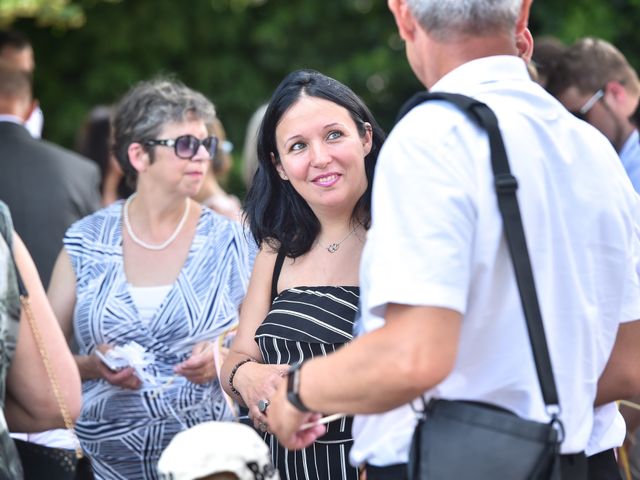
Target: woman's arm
62	295
30	394
254	380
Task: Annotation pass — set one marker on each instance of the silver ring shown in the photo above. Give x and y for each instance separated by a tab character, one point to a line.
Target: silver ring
262	426
262	405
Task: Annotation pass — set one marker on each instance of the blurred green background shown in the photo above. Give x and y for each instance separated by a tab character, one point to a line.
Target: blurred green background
90	52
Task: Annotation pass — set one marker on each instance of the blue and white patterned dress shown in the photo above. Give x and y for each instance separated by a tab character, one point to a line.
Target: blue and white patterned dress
124	431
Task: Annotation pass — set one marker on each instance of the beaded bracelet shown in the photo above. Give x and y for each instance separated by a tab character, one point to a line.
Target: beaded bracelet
233	374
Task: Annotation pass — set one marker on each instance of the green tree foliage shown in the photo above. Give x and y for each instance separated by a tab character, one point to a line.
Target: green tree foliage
236	51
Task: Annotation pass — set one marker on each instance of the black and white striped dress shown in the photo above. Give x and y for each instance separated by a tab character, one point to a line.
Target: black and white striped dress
306	322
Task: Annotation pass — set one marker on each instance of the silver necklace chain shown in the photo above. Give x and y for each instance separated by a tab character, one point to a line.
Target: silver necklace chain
150	246
333	247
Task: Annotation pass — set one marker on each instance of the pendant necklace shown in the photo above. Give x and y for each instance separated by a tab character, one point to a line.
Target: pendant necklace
150	246
333	247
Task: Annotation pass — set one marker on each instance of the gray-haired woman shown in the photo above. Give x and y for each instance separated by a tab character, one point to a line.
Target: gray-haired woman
158	270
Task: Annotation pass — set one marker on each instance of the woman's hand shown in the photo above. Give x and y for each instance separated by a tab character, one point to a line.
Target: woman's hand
124	378
200	367
255	382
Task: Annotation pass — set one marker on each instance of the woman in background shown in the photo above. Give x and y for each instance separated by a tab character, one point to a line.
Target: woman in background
93	142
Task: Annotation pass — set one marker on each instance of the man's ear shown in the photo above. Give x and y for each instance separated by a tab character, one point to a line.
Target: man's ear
278	165
404	19
523	18
625	103
616	89
138	157
524	44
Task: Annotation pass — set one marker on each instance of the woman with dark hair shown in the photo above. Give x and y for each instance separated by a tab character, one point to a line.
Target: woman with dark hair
309	209
158	278
94	142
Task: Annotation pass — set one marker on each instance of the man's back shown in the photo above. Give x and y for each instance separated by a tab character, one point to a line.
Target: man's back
573	194
47	188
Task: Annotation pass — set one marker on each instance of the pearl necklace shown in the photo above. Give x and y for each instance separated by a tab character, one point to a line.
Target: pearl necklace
144	244
333	247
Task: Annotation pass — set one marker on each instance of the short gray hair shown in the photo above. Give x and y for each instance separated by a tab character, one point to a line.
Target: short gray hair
444	19
147	107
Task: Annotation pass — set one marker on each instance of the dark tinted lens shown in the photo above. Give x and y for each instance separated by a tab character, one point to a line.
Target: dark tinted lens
186	146
211	144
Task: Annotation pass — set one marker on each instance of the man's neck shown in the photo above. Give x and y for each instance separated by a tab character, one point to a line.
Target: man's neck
445	56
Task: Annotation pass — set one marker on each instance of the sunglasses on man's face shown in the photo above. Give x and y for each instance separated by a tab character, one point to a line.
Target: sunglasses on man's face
186	146
586	108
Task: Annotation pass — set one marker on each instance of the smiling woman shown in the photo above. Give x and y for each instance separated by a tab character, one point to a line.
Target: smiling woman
309	208
158	270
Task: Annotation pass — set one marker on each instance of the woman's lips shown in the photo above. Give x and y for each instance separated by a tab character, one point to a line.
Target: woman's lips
326	180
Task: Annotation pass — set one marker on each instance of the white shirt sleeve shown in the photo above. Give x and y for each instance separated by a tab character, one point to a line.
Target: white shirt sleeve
420	244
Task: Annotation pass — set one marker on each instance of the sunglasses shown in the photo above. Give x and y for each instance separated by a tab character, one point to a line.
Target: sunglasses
582	112
186	146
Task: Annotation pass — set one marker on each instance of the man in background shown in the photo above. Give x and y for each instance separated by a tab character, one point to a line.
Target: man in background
46	187
16	50
594	81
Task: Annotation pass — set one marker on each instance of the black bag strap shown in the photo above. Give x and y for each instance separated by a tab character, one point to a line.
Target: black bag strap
506	186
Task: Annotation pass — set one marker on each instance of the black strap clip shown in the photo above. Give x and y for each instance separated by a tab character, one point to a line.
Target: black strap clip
505	183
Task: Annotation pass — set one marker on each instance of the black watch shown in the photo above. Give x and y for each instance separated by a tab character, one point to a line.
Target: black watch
293	388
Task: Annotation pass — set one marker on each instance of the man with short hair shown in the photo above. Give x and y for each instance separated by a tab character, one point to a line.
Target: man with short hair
46	187
438	294
594	81
16	50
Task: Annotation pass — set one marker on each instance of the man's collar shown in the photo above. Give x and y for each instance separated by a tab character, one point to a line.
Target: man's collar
482	71
4	117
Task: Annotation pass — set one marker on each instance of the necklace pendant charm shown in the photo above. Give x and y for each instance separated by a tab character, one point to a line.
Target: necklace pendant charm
333	248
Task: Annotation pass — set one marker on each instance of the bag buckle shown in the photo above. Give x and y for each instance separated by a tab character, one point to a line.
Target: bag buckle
554	412
505	183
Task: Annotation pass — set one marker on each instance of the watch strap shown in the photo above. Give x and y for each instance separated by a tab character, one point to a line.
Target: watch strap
293	388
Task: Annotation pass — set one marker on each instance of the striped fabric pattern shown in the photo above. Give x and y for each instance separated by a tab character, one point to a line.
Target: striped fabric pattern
125	431
303	323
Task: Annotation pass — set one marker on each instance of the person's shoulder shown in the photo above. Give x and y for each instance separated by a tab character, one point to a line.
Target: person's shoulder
6	224
218	226
431	119
68	159
4	211
91	226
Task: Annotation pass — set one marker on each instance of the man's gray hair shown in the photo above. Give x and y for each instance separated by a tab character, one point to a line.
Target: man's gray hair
147	108
445	19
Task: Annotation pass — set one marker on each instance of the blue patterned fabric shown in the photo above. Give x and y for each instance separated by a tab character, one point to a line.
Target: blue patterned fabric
125	431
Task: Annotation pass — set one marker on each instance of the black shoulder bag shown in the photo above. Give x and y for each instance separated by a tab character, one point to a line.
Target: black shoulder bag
480	441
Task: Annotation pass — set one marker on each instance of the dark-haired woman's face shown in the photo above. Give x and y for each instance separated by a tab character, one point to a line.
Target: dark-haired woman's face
322	154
